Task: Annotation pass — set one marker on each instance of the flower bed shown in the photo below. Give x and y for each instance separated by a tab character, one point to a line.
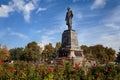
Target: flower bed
65	71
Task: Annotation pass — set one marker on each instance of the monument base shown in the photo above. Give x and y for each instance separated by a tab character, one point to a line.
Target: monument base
70	48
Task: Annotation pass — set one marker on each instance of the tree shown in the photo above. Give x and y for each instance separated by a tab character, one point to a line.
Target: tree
4	53
86	49
99	52
118	57
48	51
32	52
57	47
17	54
110	53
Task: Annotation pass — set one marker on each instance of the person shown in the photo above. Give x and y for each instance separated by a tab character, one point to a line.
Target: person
68	19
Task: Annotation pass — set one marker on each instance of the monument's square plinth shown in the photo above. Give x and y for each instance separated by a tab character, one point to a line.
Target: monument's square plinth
69	47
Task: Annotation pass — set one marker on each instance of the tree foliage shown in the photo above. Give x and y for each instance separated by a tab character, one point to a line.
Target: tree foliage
48	51
118	57
99	52
17	54
4	53
32	52
57	47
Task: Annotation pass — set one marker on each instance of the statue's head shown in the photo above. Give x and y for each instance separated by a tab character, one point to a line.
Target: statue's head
68	8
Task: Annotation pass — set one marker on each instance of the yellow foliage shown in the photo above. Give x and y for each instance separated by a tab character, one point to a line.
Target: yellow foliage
4	53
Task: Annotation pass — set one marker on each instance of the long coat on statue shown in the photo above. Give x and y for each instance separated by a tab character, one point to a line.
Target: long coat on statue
68	19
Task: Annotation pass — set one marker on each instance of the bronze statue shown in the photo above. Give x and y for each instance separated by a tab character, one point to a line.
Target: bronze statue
68	19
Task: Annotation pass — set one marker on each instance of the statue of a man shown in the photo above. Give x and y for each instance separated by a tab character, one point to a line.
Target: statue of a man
68	19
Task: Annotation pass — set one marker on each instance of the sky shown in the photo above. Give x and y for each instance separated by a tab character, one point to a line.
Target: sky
43	21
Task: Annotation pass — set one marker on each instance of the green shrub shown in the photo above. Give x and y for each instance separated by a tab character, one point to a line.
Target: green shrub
65	71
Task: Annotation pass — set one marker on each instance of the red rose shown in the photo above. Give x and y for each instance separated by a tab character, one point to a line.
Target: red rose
63	58
77	65
73	70
110	70
1	62
41	72
50	69
60	63
62	68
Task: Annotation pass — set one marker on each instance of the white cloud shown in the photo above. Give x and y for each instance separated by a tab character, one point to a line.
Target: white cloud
18	5
27	10
78	15
41	9
107	32
91	15
38	31
21	6
8	29
19	35
113	17
111	40
35	1
99	35
5	10
2	34
47	39
113	26
49	35
53	31
98	4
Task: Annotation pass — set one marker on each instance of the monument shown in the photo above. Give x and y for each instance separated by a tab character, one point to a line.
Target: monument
69	45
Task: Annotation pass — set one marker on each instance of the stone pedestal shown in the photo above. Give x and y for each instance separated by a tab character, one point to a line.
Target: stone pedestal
70	47
69	39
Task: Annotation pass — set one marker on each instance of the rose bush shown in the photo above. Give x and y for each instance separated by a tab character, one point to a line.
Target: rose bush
64	71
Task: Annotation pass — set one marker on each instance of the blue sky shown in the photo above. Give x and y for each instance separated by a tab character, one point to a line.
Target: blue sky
43	21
